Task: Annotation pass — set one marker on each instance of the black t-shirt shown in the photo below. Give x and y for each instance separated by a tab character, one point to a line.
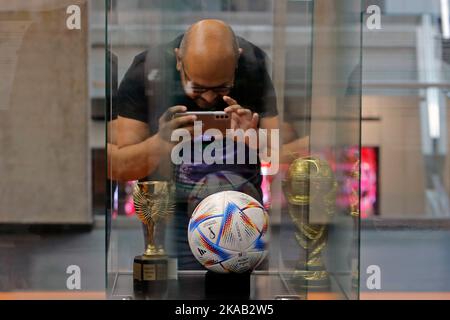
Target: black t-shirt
152	84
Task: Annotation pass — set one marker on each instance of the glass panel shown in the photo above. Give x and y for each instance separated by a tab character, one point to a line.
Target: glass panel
276	38
51	244
322	182
405	206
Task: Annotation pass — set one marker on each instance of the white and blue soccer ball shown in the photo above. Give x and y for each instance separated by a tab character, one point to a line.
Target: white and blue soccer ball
229	232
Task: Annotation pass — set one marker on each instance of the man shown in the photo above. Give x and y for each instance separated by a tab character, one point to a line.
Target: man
207	68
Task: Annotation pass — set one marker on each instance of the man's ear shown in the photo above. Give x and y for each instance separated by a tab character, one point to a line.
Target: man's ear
177	56
240	50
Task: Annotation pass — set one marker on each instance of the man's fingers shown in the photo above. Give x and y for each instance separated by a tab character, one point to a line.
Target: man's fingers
190	129
235	121
230	101
168	115
255	120
178	108
243	111
239	110
182	121
232	108
186	137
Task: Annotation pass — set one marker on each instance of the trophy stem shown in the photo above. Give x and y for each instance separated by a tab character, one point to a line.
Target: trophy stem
151	249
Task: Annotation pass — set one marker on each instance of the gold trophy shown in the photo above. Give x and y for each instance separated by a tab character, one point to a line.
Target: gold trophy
153	201
310	189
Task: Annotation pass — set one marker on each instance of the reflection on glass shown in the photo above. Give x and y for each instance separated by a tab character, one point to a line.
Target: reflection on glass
164	63
405	115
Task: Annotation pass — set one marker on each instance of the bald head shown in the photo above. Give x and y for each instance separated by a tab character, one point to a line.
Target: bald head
210	37
207	57
209	48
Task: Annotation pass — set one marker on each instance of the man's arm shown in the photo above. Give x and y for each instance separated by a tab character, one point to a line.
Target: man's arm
137	154
292	147
272	125
130	131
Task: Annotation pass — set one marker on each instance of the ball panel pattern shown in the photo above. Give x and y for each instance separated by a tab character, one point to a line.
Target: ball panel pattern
228	232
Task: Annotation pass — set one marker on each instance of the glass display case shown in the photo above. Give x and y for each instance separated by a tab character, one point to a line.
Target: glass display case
345	107
297	64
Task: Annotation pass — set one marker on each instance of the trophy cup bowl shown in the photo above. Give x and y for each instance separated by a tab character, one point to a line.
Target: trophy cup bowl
153	201
310	182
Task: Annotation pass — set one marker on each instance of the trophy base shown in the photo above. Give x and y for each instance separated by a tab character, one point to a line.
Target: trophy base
150	274
227	285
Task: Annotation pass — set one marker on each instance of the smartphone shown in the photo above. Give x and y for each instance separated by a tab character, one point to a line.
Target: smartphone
210	120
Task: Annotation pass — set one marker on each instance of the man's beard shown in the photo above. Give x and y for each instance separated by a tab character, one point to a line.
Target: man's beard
217	104
202	104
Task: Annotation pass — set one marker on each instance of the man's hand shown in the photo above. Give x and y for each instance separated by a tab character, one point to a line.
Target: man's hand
241	118
168	124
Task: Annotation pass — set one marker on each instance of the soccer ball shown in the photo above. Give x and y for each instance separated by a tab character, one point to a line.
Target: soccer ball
228	232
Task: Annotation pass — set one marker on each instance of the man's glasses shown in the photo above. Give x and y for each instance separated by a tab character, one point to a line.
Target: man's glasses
221	90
